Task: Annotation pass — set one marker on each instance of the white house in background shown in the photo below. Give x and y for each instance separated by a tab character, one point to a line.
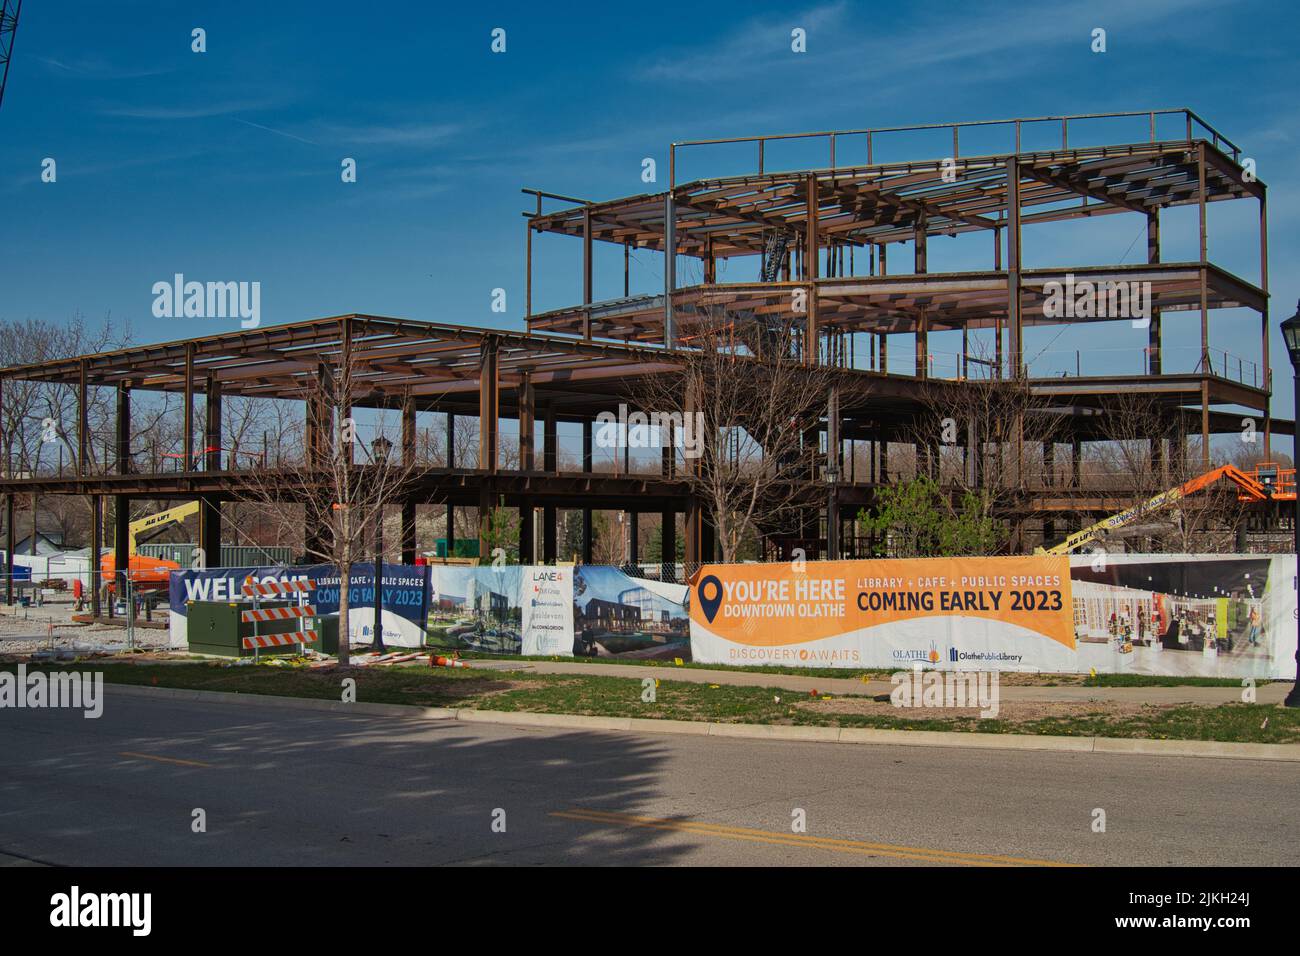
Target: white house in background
46	544
69	565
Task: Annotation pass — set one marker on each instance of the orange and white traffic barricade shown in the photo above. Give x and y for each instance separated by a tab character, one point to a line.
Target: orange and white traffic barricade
304	612
258	641
256	589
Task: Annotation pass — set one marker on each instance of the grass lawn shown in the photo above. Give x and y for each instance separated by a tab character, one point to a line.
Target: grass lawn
877	673
622	697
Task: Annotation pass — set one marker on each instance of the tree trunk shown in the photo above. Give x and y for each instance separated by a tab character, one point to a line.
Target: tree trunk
344	575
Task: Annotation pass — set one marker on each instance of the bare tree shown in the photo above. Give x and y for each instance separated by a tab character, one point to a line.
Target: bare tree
751	407
38	422
988	442
40	417
343	489
1146	451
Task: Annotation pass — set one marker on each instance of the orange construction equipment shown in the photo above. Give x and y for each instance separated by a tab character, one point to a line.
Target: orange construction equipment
1278	481
146	573
1251	485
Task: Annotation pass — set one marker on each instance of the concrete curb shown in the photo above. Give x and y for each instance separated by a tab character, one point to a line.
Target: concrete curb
842	735
288	703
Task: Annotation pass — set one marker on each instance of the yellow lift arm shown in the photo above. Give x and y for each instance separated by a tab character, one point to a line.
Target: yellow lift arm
156	522
1252	491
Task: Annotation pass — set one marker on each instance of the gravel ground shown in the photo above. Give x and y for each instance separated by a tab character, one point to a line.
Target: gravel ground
24	630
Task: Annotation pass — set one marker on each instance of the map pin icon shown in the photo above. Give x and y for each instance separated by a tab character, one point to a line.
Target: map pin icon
710	592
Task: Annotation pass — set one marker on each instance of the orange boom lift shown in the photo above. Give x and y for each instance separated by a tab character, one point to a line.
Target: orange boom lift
1266	482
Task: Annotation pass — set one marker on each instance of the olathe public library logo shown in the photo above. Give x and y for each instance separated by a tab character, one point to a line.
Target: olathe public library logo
76	909
40	690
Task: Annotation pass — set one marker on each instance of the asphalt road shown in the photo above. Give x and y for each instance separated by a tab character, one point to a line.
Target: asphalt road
284	787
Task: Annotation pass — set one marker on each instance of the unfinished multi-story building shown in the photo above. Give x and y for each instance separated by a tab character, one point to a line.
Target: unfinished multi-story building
838	252
820	242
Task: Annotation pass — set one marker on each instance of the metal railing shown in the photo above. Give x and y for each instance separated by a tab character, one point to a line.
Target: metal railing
1095	363
1190	124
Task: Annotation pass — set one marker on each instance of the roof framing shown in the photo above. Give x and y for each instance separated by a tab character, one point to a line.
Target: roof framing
889	202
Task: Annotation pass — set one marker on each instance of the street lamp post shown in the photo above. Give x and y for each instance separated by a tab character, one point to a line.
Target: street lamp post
1291	335
832	513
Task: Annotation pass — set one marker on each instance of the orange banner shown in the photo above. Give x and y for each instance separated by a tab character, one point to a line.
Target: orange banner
769	605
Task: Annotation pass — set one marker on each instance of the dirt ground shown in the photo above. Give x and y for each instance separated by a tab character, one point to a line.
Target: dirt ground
1016	712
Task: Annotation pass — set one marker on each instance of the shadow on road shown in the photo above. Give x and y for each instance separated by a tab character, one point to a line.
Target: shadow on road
292	788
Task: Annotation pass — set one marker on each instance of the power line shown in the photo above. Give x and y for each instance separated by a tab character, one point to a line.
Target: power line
8	29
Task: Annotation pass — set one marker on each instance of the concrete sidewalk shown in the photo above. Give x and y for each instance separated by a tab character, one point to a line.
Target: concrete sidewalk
1268	694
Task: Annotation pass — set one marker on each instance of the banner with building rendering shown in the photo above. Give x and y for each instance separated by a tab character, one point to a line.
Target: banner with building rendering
589	610
617	615
1213	616
473	608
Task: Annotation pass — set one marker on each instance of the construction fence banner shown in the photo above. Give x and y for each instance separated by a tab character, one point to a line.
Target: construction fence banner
404	591
1186	615
588	610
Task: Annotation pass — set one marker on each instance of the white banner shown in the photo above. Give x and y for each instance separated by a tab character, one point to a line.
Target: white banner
547	606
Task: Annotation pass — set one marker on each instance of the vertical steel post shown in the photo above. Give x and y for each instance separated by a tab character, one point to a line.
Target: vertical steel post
586	272
488	407
1263	323
1153	330
1206	367
811	271
670	267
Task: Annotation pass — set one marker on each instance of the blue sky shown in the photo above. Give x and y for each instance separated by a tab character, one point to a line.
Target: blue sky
225	165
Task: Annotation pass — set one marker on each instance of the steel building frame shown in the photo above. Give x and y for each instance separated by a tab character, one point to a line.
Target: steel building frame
838	223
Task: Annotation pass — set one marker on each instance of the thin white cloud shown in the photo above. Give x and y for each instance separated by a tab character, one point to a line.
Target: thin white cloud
197	111
748	50
97	69
849	50
400	134
277	132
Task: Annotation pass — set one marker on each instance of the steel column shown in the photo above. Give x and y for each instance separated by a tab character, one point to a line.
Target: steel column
96	553
670	267
83	421
1205	308
586	272
9	548
1153	330
212	425
488	406
526	415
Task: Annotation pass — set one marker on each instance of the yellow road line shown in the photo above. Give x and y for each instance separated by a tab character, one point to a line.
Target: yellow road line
860	847
175	760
